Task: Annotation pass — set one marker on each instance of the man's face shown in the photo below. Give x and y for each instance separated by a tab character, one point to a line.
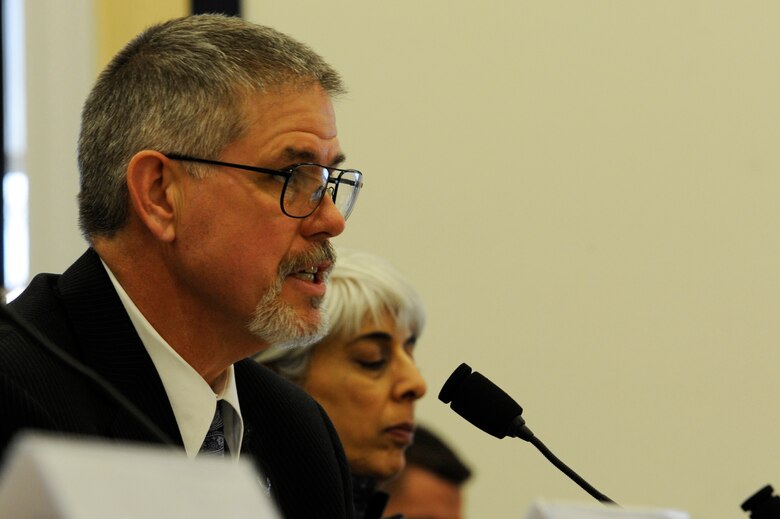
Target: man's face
259	273
420	494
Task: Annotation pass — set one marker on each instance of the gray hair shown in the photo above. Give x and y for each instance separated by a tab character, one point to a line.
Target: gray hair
181	87
362	287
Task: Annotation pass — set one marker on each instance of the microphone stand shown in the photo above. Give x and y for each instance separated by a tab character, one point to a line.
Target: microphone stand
518	429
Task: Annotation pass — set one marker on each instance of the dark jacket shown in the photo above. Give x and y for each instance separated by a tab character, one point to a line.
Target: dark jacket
369	502
288	435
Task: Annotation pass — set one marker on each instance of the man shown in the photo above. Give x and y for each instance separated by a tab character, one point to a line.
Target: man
209	232
430	485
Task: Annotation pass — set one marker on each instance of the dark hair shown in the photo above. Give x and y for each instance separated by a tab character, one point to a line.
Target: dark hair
429	452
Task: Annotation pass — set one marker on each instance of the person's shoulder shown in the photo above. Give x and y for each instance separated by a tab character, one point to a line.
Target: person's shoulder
35	316
38	389
35	335
265	397
294	442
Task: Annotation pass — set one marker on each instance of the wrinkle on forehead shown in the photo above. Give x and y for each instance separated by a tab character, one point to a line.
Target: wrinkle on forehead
298	155
290	126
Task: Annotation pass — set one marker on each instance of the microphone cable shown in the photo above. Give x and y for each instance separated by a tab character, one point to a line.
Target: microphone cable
552	458
106	387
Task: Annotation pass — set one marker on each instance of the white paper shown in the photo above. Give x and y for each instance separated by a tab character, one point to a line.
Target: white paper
59	478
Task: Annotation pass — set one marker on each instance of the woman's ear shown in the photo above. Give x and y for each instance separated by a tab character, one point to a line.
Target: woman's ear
153	187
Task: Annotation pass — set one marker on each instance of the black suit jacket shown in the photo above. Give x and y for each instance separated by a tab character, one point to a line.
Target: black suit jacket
287	434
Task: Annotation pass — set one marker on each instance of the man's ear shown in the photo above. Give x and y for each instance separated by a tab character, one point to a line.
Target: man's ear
153	188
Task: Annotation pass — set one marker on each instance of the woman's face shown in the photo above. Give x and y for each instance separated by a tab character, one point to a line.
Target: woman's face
368	385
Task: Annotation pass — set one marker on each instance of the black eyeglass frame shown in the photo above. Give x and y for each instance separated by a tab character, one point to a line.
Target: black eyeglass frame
287	173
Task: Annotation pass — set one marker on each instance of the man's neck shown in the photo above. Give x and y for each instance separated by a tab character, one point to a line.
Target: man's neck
196	334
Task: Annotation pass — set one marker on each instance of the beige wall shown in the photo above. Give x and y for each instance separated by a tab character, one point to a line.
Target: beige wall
119	21
67	44
60	50
586	195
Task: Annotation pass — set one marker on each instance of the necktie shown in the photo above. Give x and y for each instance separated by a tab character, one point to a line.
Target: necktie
214	443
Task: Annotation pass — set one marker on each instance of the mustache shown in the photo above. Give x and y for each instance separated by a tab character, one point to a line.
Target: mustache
320	253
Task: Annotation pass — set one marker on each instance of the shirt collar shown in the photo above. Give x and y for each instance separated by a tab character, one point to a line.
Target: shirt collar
193	401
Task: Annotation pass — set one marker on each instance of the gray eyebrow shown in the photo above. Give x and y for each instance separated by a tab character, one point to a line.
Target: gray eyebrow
298	155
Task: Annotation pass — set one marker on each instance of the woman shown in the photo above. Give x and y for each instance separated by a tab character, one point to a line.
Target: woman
363	372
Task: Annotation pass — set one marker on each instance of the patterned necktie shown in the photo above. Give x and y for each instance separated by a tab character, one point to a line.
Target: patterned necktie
214	443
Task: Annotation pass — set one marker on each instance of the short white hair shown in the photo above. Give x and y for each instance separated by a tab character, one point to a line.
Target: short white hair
362	288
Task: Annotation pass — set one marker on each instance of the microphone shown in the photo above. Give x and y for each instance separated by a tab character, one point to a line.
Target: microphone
763	504
489	408
484	404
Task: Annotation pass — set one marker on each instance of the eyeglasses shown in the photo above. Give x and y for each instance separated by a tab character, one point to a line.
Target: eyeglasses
304	185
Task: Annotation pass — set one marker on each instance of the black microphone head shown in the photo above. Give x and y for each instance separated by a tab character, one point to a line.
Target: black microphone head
763	504
480	401
452	386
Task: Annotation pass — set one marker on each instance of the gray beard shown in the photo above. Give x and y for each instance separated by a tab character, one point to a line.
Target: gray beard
276	322
278	325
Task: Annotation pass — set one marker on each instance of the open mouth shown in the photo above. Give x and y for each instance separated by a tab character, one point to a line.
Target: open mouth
310	274
313	274
312	266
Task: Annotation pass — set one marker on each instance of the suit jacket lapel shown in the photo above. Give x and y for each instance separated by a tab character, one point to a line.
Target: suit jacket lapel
111	346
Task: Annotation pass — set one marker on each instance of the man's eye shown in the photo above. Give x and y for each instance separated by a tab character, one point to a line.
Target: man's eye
269	181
